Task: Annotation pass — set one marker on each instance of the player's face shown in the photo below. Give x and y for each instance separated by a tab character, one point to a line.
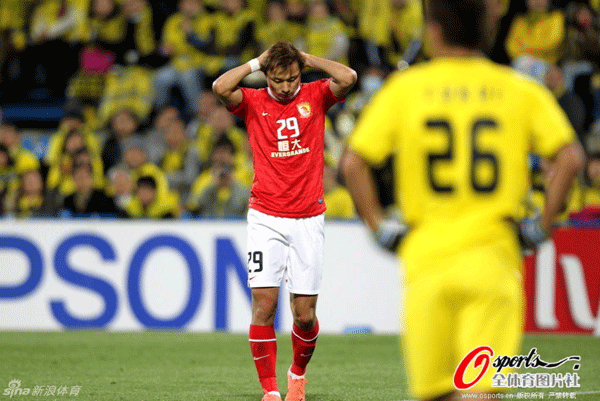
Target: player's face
284	82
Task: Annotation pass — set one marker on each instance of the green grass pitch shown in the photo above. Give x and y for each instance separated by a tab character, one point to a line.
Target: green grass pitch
210	367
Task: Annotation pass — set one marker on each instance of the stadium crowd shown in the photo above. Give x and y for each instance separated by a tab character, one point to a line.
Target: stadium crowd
142	135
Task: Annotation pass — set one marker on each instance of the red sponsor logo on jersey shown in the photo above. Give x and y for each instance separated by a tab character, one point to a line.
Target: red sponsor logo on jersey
304	109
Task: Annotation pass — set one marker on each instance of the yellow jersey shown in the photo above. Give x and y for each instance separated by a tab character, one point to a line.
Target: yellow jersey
541	35
184	56
461	130
164	206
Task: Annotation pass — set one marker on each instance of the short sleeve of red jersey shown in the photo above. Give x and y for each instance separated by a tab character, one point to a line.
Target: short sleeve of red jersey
241	110
329	99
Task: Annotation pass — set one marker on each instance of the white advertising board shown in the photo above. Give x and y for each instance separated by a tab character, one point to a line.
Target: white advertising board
189	275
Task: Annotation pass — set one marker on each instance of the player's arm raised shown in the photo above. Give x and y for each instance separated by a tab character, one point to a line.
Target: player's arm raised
343	76
226	88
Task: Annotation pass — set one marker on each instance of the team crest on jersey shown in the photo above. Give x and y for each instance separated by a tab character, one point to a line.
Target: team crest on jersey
304	110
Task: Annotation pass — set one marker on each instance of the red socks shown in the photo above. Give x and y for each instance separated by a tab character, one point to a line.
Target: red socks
303	345
263	346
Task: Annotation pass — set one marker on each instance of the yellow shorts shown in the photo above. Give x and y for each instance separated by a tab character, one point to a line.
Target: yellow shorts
475	298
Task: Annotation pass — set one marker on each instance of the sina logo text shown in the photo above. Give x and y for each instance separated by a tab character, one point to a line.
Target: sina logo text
14	388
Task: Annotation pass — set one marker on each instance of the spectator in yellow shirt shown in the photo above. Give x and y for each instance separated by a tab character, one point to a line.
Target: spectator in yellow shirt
278	27
207	104
217	192
136	162
86	200
183	69
74	151
234	34
72	120
374	28
30	198
325	37
16	160
148	202
56	26
140	39
154	136
540	32
131	87
24	159
124	125
406	31
180	159
12	22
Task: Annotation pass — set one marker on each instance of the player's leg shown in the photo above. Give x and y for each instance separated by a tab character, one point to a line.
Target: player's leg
304	282
494	315
267	256
304	331
428	320
263	342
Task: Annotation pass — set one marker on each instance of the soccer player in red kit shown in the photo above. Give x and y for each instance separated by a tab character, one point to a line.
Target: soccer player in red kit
285	124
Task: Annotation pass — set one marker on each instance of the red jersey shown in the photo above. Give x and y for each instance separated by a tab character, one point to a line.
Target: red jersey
287	141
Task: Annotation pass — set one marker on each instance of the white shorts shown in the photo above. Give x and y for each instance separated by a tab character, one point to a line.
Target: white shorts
279	246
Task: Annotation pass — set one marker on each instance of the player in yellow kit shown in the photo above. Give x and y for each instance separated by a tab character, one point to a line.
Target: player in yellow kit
460	128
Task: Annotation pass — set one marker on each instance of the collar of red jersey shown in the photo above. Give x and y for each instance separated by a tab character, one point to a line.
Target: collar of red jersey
270	92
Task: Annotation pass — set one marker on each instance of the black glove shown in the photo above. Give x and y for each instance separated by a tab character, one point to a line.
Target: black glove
390	233
531	233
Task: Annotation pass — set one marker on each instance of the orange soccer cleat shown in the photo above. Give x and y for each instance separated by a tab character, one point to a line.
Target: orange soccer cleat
295	389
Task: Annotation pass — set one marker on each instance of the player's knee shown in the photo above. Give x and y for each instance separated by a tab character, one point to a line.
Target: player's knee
305	320
263	310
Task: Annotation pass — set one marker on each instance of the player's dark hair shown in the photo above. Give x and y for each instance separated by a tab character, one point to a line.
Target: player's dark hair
463	22
282	55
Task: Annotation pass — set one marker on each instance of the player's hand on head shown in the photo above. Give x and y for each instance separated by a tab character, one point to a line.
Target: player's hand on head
262	59
532	233
390	233
305	58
